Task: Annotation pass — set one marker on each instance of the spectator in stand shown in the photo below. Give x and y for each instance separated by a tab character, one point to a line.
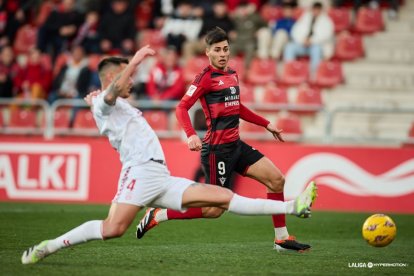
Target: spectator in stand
247	22
117	28
161	10
182	26
8	70
271	41
373	4
87	35
73	79
11	18
60	29
33	79
219	18
313	36
166	80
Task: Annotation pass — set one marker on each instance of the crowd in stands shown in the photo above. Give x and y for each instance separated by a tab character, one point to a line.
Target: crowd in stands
50	49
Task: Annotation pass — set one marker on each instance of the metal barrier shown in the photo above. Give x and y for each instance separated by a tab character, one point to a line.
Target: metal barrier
329	138
48	112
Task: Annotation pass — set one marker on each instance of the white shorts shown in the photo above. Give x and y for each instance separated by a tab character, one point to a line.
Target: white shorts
151	185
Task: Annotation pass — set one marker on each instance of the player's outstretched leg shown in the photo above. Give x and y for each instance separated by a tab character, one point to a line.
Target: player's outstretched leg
302	209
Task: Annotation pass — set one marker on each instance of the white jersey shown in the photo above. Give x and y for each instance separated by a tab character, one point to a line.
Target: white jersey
127	131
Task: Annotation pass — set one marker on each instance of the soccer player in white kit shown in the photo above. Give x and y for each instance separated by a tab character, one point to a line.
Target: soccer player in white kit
145	179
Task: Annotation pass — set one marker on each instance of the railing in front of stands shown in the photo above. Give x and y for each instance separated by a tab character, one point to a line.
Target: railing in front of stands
45	114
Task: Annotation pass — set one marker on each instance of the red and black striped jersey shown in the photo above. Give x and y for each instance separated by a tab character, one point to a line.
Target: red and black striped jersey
219	95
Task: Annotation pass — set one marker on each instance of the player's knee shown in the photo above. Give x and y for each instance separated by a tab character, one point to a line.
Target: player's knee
277	183
212	212
114	230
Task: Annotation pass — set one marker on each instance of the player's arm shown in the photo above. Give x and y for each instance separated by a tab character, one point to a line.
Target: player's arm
191	96
121	80
251	117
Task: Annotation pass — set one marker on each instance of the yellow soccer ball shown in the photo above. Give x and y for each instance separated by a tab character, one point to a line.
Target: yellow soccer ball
379	230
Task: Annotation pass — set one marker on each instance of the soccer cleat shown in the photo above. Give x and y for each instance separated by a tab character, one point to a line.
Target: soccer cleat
35	253
147	222
305	200
290	244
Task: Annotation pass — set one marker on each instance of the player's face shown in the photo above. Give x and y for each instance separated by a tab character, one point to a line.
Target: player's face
126	92
218	54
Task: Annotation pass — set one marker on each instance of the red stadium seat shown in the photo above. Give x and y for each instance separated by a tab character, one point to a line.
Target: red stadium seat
152	37
246	93
84	119
294	73
194	66
2	122
369	21
249	127
237	64
271	12
308	97
290	124
329	74
349	47
25	40
411	131
59	63
261	71
341	18
61	118
46	61
143	14
276	95
157	119
23	118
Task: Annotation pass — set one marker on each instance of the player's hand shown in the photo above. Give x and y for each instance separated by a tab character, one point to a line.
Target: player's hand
141	54
88	98
277	133
194	143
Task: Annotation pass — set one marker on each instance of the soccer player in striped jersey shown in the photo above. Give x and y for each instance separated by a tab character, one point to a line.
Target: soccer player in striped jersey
222	151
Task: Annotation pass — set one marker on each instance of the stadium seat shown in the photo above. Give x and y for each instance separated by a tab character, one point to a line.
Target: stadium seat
2	121
237	63
23	118
341	18
61	118
329	74
368	21
143	14
308	97
261	71
84	119
194	66
249	127
25	39
246	93
290	124
294	73
275	95
271	12
348	47
411	131
59	63
46	61
152	37
157	119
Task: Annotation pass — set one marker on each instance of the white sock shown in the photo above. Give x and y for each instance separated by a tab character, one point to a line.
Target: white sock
281	233
161	215
88	231
249	206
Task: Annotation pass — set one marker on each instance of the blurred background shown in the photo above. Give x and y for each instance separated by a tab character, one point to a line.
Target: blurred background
336	76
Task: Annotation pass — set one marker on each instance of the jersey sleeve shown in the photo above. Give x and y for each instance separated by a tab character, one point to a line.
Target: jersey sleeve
249	116
99	105
193	93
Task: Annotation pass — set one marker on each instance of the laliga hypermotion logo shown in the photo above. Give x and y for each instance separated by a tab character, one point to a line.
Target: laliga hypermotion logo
343	175
44	171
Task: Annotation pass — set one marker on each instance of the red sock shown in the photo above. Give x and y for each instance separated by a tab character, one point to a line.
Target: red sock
191	213
278	220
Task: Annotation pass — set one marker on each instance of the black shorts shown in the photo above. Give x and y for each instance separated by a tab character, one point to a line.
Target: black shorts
220	161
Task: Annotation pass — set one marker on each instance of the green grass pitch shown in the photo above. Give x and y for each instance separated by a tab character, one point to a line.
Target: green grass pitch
230	245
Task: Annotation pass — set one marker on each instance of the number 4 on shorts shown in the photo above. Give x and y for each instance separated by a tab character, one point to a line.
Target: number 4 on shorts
131	185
